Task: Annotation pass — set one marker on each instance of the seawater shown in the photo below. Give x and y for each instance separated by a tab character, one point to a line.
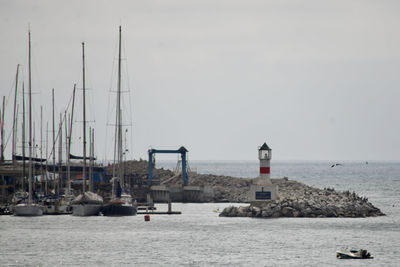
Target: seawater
199	237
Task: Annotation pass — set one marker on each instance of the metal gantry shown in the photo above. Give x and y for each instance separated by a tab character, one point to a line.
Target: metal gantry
182	150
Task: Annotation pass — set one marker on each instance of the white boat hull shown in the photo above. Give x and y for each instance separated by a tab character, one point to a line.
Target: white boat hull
57	209
28	210
354	254
86	209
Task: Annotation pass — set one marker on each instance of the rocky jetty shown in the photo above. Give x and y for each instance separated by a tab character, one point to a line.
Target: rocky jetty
300	200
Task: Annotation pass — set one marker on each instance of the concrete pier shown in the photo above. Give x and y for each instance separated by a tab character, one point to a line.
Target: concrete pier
164	194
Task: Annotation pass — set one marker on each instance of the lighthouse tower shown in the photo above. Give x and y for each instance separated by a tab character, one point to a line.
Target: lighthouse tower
264	155
262	189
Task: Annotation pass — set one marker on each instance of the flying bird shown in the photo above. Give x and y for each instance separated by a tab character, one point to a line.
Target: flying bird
337	164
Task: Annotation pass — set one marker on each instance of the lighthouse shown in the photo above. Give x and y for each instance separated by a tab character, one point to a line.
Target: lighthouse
262	189
264	155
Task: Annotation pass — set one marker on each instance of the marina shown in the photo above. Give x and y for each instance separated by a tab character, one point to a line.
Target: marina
212	133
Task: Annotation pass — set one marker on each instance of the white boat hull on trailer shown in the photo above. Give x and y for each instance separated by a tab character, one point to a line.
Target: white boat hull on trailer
28	210
86	209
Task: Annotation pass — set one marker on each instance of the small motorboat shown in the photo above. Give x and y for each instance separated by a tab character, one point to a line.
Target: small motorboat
353	254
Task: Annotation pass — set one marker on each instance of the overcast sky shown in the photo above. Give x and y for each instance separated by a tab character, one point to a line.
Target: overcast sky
316	80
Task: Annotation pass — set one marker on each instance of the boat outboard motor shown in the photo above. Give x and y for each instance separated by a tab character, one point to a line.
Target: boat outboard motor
364	253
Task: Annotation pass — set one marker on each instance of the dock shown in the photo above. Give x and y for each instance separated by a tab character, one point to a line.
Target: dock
150	210
159	212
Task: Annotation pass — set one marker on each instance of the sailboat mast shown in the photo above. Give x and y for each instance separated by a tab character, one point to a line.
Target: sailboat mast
2	131
23	138
41	146
1	124
92	148
69	142
30	124
84	118
46	186
119	117
72	117
14	129
66	134
34	154
60	182
92	155
14	158
67	122
66	148
90	161
54	146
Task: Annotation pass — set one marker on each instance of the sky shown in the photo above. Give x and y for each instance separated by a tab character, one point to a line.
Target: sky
316	80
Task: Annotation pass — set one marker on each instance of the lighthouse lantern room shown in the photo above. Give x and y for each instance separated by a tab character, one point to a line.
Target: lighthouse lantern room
264	152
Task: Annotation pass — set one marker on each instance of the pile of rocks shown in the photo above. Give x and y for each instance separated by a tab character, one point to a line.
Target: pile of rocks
307	201
226	189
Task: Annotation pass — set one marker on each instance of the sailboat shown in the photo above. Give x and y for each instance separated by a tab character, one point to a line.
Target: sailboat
87	203
30	208
121	203
56	204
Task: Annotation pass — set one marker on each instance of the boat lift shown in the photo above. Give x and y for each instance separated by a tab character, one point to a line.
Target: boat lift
182	150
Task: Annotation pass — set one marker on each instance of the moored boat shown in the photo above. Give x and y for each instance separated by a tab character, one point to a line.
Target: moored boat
87	204
353	254
6	210
121	203
28	209
120	206
54	205
86	209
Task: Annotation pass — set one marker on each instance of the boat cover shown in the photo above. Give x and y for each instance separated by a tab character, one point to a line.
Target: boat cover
88	198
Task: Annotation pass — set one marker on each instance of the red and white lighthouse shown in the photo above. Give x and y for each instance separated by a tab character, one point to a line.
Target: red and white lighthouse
264	155
262	189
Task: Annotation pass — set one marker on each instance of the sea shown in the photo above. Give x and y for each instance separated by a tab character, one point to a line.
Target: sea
199	237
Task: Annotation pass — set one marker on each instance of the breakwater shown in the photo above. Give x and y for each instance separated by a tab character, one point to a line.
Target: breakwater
300	200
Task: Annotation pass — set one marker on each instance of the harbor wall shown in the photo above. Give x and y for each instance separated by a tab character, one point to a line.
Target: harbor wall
163	193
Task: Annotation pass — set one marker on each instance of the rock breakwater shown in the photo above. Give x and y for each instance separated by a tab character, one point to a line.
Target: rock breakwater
300	200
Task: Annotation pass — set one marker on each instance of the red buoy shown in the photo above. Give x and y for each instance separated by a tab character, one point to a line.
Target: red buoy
147	218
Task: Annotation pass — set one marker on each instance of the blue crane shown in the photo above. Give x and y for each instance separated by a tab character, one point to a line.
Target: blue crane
182	150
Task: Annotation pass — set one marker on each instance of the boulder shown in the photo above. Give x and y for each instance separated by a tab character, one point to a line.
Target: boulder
287	211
